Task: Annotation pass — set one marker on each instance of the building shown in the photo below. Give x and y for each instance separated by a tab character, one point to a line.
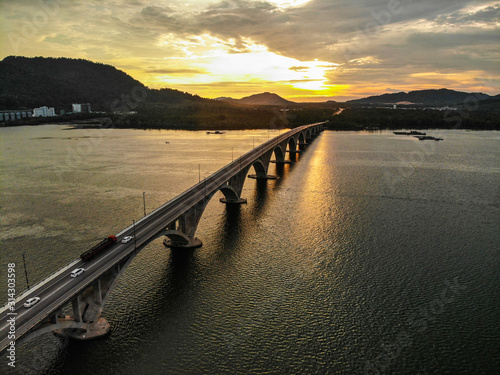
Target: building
44	112
15	114
81	108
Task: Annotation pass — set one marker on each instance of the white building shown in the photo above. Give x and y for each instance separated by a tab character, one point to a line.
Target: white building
81	108
15	114
44	112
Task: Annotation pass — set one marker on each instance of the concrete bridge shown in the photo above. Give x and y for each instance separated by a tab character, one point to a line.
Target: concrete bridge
72	306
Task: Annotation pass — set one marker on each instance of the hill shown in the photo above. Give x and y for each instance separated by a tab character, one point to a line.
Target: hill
59	82
425	97
265	98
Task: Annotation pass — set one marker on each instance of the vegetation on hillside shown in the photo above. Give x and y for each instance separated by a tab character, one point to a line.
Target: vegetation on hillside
221	116
59	82
484	118
425	97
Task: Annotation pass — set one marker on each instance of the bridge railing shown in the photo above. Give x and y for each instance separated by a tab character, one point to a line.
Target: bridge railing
39	284
266	146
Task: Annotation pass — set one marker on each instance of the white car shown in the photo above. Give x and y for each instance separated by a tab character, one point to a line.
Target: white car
32	301
127	239
77	271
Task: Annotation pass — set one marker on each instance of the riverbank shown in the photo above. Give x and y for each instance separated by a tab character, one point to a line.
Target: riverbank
247	118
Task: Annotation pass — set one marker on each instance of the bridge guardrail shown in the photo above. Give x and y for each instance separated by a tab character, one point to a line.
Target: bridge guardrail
255	153
26	291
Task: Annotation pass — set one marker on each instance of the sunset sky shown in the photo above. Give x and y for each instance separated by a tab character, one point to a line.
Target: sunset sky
303	50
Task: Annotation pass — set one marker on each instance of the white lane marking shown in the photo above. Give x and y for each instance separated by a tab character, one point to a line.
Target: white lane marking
46	297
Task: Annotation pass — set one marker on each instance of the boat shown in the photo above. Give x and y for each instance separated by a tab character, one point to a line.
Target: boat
216	132
427	137
413	132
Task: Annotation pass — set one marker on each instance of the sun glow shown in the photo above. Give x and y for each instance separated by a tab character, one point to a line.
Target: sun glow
289	3
230	63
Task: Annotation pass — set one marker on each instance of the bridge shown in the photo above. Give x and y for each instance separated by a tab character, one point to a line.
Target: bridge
72	306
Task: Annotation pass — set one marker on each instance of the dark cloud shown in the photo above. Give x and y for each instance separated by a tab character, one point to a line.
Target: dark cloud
490	14
433	40
375	41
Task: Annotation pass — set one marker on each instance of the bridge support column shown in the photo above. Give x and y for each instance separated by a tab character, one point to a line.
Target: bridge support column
77	310
267	177
180	234
86	323
232	191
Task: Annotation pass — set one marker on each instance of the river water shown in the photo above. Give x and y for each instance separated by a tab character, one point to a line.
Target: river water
374	253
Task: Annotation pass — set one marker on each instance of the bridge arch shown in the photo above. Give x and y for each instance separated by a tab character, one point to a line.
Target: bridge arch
260	169
302	138
229	192
279	154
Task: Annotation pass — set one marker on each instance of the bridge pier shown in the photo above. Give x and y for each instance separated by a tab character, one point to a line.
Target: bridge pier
266	177
87	332
86	323
282	162
236	201
232	190
194	243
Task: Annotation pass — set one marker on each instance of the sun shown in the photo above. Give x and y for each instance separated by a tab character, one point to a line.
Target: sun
289	3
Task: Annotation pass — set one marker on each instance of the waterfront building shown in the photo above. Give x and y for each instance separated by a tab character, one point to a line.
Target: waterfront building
81	108
15	114
44	112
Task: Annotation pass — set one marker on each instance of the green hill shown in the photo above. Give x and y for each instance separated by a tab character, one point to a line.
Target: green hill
425	97
59	82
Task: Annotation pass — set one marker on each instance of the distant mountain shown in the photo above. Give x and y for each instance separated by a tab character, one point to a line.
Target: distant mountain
59	82
265	98
426	97
493	103
224	99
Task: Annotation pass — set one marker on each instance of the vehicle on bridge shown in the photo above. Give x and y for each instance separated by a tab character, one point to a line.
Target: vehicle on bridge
32	301
103	245
77	272
127	239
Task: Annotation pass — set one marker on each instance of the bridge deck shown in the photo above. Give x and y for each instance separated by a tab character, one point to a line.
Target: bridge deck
59	289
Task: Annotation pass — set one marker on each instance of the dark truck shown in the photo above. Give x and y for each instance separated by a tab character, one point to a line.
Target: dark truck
103	245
